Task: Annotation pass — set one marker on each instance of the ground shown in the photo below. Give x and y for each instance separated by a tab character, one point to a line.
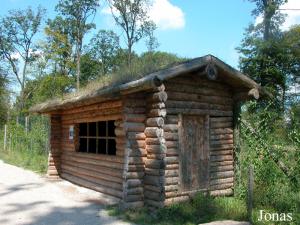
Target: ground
30	199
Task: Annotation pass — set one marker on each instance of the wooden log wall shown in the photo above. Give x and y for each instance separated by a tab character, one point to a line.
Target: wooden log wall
194	95
55	148
155	179
221	156
133	141
103	173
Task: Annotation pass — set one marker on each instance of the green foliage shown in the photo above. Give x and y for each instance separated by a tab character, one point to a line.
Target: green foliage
17	31
132	17
267	144
200	209
104	47
27	149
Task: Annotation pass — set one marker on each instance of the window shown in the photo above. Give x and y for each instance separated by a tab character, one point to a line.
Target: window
97	137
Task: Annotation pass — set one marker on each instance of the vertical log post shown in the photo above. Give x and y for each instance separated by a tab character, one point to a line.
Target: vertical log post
250	193
55	149
154	188
5	137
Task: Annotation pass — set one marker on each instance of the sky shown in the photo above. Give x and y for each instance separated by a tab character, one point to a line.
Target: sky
189	29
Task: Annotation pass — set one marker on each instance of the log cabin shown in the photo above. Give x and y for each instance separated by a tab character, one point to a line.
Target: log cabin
152	141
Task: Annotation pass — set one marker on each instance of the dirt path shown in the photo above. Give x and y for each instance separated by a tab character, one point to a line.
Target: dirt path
27	198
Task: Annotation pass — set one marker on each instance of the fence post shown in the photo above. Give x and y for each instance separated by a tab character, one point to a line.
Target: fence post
26	123
250	192
5	136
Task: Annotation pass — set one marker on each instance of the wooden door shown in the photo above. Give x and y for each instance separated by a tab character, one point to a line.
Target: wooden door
194	152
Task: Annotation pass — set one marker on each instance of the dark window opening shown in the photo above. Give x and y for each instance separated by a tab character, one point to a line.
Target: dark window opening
97	137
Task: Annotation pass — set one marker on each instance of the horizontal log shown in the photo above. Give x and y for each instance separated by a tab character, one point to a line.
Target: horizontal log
172	144
221	119
198	112
171	173
154	172
155	164
221	147
226	192
136	160
221	131
136	135
134	127
155	141
159	189
217	158
171	180
172	152
223	174
136	118
193	79
158	149
214	143
221	181
139	110
133	183
93	119
172	166
171	188
97	106
154	180
158	105
135	175
155	122
133	198
172	119
222	152
170	128
104	163
135	191
181	96
221	168
154	132
221	163
115	182
157	113
157	97
172	160
171	136
221	137
153	203
136	144
198	90
136	168
92	185
156	156
221	186
120	132
156	196
221	124
98	169
170	201
130	102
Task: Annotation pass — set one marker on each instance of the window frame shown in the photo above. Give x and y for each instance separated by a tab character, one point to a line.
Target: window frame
87	137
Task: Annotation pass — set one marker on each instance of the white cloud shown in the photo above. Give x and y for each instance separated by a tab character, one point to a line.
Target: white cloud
292	16
165	15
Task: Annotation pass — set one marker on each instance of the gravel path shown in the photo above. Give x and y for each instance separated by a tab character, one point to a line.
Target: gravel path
29	199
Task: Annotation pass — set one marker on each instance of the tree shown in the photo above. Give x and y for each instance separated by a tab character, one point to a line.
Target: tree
4	97
104	47
17	31
77	13
58	47
132	17
263	54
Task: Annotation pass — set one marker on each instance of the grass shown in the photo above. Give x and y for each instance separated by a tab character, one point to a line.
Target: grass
200	209
36	162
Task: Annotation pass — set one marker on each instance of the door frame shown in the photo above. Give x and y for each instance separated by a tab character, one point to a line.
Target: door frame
206	145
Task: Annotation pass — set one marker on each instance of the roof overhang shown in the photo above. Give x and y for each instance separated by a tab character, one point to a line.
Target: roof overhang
206	65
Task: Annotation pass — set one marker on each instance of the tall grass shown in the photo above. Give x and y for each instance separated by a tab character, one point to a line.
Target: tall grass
26	149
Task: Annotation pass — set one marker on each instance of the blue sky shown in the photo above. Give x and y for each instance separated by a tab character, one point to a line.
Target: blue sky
188	28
